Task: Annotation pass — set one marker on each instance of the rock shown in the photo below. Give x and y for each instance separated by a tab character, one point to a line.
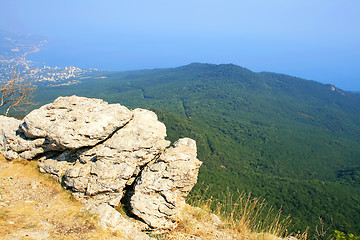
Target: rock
74	122
99	151
96	183
139	142
10	155
13	143
53	167
8	128
144	136
56	166
18	146
112	219
67	123
160	191
108	167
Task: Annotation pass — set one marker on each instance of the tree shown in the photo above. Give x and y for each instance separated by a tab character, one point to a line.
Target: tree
16	92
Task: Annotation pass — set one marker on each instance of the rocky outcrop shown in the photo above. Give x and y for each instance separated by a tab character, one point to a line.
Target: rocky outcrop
102	152
74	122
14	144
161	189
8	128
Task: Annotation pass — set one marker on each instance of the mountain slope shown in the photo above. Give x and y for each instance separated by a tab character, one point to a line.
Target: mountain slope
294	142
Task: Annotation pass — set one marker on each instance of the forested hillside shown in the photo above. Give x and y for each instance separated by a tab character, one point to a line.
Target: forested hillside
292	141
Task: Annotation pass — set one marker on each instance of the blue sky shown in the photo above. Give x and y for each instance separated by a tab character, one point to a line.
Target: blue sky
317	40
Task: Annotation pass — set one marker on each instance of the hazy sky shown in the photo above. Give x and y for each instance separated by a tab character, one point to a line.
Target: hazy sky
312	39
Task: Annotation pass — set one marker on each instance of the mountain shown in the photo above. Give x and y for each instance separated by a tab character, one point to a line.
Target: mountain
292	141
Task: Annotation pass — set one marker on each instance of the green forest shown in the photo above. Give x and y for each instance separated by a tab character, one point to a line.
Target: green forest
293	142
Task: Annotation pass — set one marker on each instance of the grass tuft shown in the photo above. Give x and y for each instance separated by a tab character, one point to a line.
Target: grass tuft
248	217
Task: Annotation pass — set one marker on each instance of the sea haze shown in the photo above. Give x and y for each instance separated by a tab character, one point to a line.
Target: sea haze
259	35
81	54
121	52
113	52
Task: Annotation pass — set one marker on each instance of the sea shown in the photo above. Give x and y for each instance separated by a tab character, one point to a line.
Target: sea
109	55
64	54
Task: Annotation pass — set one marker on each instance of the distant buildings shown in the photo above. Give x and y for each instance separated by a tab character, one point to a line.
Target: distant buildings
15	48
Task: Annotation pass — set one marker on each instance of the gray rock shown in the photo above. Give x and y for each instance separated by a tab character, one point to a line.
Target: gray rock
96	183
57	165
109	218
160	191
108	167
140	141
53	167
96	149
13	143
29	148
74	122
8	128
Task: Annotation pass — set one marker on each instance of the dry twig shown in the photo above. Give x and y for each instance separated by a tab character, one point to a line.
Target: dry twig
16	93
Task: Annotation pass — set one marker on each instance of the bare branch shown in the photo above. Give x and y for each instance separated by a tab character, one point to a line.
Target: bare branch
16	93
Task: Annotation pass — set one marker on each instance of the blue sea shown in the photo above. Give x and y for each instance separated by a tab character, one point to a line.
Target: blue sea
82	55
109	54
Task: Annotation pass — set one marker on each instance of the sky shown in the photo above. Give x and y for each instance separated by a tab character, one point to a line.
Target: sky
312	39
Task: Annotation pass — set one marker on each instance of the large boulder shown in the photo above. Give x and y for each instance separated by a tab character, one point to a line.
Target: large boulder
102	172
74	122
100	151
160	191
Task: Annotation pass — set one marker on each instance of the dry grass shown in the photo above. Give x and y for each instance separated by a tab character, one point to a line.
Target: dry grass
247	217
34	206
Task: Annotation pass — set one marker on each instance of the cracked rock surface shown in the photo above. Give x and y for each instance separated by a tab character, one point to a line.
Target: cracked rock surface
161	189
102	152
74	122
